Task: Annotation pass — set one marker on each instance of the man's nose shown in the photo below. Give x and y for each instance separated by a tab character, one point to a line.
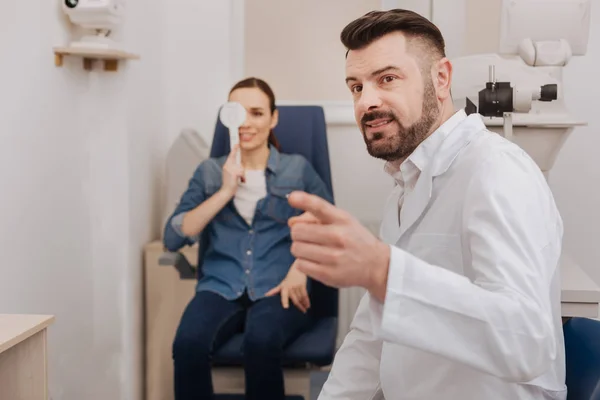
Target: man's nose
369	99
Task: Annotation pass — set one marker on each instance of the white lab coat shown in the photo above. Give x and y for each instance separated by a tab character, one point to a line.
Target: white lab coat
472	308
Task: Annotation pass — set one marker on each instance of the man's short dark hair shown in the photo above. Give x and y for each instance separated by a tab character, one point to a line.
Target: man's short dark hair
363	31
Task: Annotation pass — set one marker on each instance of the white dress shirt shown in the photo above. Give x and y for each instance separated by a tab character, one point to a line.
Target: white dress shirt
472	307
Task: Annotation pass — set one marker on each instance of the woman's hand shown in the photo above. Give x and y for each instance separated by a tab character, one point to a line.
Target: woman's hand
293	287
232	173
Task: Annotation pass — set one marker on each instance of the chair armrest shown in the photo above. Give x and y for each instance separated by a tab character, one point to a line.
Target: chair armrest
180	262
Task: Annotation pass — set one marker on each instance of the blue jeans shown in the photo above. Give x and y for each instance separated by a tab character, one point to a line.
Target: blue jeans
210	320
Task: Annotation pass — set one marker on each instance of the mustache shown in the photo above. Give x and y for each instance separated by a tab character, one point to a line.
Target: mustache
373	115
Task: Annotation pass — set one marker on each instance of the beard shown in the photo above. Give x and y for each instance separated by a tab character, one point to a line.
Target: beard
406	139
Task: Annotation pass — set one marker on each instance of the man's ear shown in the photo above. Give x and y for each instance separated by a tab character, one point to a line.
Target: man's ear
443	78
275	118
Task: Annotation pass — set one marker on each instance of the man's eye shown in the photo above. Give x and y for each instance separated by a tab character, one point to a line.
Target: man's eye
388	78
356	89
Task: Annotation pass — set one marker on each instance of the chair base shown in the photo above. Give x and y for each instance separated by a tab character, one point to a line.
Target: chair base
231	380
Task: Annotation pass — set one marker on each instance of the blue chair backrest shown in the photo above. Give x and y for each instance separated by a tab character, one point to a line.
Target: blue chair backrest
300	130
582	348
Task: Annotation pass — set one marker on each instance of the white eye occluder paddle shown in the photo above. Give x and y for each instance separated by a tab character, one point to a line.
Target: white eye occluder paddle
233	115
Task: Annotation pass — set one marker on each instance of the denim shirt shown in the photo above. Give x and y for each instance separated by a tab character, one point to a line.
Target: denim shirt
234	256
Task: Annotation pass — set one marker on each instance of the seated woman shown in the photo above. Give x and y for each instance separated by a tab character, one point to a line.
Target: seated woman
248	278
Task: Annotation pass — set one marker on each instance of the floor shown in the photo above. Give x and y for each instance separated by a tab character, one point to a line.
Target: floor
317	379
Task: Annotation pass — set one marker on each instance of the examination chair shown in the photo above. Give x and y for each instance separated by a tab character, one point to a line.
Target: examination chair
582	348
301	130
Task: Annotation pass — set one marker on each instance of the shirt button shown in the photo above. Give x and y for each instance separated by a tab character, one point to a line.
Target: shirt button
251	231
249	252
247	272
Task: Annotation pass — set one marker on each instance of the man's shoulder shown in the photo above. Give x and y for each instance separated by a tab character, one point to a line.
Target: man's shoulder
501	167
490	150
501	174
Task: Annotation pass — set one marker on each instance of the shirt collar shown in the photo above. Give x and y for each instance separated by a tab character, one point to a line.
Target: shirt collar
273	161
421	157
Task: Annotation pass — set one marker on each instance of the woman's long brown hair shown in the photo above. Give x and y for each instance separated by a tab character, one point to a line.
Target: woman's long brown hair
266	89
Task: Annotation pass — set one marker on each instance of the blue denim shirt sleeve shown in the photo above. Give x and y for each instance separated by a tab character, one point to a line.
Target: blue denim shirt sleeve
174	239
314	183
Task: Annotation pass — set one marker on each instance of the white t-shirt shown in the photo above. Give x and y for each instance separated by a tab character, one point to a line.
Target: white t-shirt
249	193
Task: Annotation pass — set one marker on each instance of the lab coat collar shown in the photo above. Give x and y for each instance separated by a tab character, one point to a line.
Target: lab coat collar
455	134
421	157
426	152
460	133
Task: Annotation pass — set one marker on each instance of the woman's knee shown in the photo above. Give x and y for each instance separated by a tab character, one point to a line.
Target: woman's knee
263	342
191	346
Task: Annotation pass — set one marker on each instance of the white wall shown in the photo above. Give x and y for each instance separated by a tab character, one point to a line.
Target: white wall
80	175
287	43
198	62
576	176
69	237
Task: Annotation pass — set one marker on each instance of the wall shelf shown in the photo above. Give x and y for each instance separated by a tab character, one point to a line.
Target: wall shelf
110	58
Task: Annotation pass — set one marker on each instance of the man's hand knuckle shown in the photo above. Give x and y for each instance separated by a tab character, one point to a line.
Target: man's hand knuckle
294	249
322	207
336	256
339	238
297	230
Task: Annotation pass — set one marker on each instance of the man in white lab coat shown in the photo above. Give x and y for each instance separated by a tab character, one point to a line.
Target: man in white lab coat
463	297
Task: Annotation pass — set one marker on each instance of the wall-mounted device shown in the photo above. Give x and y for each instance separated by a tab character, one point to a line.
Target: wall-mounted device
98	18
499	98
519	91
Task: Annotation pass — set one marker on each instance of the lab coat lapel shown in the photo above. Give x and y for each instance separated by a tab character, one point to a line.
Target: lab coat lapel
390	228
417	200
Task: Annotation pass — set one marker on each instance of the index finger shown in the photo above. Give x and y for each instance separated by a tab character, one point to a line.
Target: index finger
306	217
273	291
285	297
232	153
320	208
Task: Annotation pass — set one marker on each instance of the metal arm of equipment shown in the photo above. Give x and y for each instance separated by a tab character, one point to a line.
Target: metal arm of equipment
180	262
